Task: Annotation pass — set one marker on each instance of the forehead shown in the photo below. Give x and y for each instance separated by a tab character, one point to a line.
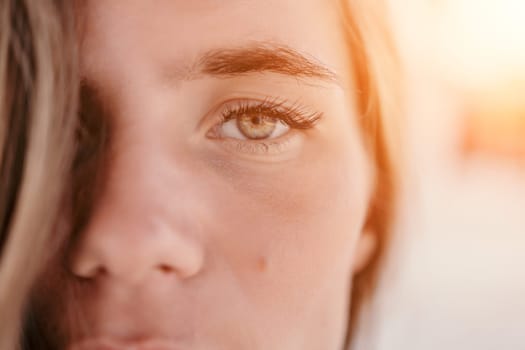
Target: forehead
146	35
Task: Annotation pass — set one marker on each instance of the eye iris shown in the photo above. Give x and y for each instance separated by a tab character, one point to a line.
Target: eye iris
256	127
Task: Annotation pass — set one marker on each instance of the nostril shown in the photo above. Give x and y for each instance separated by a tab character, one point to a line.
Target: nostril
98	271
167	269
130	253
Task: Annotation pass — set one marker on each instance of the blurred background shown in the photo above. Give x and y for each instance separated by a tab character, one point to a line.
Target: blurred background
458	281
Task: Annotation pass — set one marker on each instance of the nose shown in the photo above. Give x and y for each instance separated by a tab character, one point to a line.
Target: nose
126	243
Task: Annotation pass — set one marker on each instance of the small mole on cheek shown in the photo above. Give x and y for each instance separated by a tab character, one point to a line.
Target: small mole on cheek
262	264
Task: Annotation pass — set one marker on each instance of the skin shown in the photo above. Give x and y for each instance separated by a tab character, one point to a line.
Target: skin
211	242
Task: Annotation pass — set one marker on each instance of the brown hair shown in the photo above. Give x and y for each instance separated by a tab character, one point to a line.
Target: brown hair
38	100
376	74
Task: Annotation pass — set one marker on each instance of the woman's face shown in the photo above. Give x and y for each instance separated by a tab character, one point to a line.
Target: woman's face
236	185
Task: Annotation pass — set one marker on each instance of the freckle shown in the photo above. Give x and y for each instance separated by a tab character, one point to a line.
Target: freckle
262	264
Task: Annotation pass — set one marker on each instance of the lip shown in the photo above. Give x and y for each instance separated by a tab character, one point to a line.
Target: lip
105	343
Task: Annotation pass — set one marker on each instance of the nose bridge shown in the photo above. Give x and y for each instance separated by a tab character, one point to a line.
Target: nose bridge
134	231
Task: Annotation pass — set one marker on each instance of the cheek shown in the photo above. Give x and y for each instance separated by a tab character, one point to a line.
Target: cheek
287	230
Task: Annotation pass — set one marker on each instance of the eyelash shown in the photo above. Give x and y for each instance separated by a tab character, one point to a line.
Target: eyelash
294	115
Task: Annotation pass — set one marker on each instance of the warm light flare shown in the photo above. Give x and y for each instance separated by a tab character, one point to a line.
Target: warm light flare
495	124
484	39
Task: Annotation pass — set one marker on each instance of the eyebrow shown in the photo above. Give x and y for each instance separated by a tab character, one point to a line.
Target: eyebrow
259	58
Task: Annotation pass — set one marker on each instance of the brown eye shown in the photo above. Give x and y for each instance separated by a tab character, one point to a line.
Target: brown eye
253	126
256	127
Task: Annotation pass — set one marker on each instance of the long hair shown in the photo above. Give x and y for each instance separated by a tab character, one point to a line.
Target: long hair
376	70
38	99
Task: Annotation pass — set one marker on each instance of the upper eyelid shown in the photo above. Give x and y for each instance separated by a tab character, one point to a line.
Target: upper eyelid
295	114
215	114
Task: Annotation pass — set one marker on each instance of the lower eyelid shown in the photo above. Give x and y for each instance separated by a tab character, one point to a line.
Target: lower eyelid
263	147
